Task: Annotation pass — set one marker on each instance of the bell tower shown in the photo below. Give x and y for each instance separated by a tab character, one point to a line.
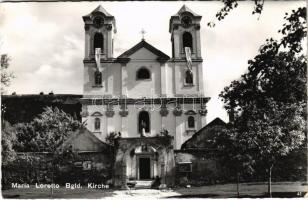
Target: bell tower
184	27
99	33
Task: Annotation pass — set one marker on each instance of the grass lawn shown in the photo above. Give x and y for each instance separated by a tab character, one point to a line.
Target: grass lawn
249	190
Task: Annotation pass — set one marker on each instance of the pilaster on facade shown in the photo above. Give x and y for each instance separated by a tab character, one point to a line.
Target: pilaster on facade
164	81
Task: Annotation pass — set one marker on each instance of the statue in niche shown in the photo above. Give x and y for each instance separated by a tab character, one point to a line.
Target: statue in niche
143	126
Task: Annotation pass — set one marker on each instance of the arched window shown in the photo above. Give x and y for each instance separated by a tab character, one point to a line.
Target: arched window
97	124
143	73
98	78
191	122
189	77
187	40
98	41
144	122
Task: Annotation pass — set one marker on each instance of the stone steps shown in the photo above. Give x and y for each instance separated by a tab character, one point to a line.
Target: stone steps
143	184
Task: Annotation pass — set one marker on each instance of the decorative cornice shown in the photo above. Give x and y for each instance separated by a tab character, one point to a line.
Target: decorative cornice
92	60
123	113
109	113
97	114
184	60
123	60
164	111
177	111
131	101
203	112
190	112
162	60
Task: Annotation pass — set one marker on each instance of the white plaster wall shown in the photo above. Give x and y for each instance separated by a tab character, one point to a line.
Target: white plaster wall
170	79
89	120
131	125
143	54
143	88
111	79
179	73
128	126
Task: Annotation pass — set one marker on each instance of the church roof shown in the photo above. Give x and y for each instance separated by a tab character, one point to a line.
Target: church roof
143	44
183	9
99	9
92	142
216	122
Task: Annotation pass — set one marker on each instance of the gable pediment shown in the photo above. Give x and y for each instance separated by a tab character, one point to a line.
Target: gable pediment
143	50
143	53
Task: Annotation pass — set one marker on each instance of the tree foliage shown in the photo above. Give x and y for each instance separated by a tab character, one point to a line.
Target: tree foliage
8	137
277	72
47	132
231	151
6	75
273	131
268	102
111	138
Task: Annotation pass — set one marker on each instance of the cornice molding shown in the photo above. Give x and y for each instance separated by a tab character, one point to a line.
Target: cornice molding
137	101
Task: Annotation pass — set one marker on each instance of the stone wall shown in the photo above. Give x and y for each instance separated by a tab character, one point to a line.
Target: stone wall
32	167
203	170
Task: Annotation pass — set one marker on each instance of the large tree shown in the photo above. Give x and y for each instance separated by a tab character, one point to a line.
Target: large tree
47	132
231	153
8	138
268	102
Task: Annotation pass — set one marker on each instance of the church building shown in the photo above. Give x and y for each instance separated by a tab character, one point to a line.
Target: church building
156	102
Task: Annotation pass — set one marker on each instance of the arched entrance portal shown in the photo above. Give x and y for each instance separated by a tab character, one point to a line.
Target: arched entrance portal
142	162
144	158
146	162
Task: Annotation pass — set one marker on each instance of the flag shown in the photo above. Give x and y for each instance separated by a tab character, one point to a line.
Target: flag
188	58
98	57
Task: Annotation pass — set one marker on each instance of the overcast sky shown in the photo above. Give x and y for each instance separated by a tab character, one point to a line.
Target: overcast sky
46	40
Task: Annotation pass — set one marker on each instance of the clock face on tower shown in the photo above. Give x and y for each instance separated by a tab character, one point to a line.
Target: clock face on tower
98	22
186	21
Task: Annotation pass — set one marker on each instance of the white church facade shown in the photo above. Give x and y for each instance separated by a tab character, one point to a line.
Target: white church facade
143	92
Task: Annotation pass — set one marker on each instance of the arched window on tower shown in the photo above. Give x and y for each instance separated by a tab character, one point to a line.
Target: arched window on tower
144	122
98	78
143	73
97	124
98	42
191	122
189	78
187	40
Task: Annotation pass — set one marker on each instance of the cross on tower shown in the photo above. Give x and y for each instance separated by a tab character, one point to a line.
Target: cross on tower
143	33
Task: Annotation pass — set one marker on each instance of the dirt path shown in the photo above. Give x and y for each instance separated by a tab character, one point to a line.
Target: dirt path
214	191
